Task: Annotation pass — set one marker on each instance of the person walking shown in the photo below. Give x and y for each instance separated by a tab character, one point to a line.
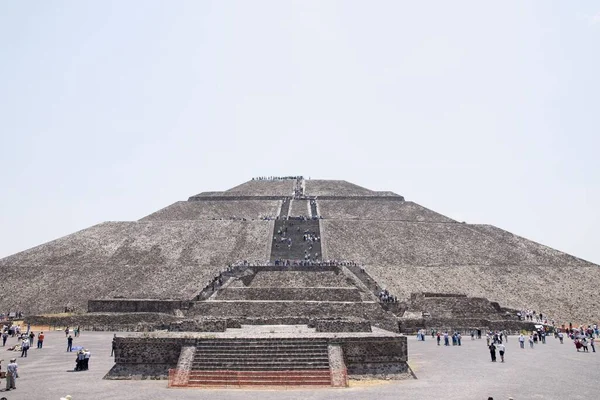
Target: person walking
592	340
522	341
501	350
12	372
438	338
492	348
40	342
69	343
531	340
4	337
31	337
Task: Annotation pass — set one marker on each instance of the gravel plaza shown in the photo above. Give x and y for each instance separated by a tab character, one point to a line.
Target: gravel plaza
549	371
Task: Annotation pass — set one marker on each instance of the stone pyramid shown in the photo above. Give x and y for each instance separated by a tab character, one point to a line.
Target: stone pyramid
173	252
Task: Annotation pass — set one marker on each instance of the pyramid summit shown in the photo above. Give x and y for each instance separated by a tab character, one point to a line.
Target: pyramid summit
175	253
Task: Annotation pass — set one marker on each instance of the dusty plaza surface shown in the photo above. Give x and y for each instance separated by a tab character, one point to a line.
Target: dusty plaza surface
550	371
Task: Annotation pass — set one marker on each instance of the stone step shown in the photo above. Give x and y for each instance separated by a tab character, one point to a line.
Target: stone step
253	367
221	383
265	340
262	362
266	359
264	356
261	374
238	355
275	363
273	346
263	347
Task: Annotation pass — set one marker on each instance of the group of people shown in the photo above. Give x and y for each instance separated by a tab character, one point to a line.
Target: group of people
82	362
277	178
385	297
11	315
531	315
456	338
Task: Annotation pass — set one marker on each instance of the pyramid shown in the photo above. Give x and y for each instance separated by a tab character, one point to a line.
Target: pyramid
406	248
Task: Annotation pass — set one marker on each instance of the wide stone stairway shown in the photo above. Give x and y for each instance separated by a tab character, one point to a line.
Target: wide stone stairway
293	246
260	362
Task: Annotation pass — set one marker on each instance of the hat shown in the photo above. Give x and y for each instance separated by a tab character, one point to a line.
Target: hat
13	360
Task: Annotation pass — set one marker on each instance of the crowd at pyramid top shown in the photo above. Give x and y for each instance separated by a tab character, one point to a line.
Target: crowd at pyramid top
277	178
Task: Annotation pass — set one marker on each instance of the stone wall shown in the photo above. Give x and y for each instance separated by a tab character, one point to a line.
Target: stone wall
137	305
370	311
309	277
380	209
342	325
113	322
378	357
317	187
145	358
233	309
195	325
279	293
196	210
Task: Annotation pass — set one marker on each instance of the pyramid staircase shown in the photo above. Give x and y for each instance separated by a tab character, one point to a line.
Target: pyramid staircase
260	362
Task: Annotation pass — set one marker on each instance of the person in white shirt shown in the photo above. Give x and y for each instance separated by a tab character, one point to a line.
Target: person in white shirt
501	350
522	341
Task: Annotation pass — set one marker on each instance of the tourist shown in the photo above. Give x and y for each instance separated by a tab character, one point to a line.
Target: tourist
560	337
584	344
438	338
24	347
592	344
79	361
86	359
492	348
31	337
40	342
4	338
501	350
531	341
114	345
66	331
69	343
12	372
446	341
458	338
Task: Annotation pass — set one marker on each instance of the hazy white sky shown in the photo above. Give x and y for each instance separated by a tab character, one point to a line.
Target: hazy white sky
487	113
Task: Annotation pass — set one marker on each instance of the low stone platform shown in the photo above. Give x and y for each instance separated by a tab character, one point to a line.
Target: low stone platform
378	353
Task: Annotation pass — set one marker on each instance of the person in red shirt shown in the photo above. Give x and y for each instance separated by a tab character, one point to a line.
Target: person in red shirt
40	342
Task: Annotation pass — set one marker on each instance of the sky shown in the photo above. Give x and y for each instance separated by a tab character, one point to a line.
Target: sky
487	112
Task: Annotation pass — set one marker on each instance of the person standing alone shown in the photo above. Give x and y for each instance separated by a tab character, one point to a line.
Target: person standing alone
11	374
40	342
69	343
24	347
492	348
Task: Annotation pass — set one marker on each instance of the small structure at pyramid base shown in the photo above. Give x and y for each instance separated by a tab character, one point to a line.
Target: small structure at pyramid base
269	325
